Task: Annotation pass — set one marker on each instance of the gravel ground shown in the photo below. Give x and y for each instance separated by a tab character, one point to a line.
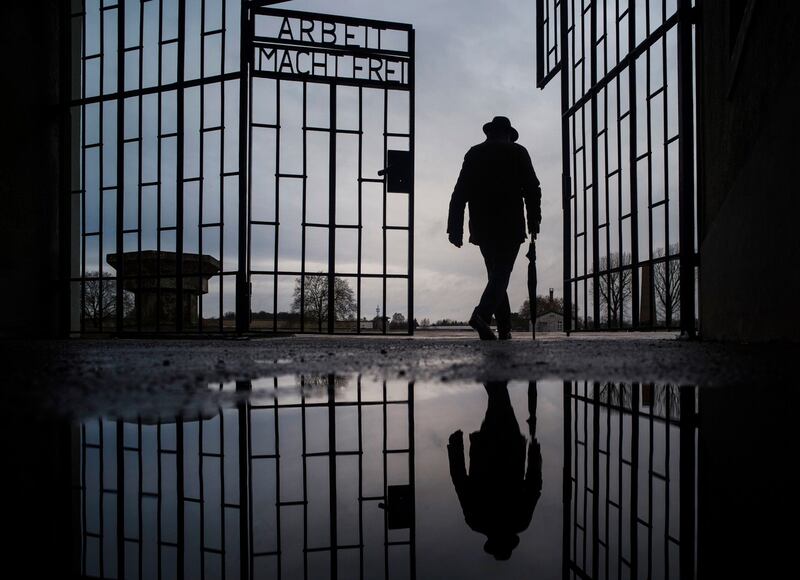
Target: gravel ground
92	376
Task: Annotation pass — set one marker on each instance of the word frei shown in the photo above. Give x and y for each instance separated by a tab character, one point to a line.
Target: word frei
320	48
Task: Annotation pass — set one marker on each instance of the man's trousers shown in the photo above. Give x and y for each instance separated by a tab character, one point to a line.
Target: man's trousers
499	258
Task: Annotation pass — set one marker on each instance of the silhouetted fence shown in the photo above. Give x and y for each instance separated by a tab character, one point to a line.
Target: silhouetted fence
221	150
627	129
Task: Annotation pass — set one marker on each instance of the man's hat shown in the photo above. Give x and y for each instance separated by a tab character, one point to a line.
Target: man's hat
501	545
501	124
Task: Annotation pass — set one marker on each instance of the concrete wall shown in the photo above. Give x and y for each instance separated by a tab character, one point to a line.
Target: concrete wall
749	179
747	482
29	167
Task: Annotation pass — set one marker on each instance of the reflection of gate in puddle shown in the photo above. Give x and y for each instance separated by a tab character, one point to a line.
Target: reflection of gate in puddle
629	481
291	483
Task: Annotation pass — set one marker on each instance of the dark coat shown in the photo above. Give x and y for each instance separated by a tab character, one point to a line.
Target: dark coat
495	180
499	495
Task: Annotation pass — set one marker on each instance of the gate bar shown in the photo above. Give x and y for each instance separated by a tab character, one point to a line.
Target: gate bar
242	274
331	212
411	148
566	168
595	175
120	136
179	170
686	166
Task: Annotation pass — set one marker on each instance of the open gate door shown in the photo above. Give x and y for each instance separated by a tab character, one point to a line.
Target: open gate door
328	194
628	188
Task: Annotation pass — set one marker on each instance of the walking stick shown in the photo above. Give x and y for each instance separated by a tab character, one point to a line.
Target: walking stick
532	286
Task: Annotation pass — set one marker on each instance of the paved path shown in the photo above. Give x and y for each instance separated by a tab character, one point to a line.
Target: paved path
96	372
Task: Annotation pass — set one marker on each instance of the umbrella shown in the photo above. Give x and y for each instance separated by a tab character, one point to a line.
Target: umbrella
532	285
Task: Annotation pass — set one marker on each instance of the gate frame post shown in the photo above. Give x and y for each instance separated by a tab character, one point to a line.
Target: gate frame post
686	167
411	132
595	169
243	265
331	211
566	177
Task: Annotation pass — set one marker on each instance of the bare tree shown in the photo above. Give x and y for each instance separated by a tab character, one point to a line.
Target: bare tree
398	321
667	401
615	288
100	299
525	310
616	395
315	298
667	285
662	400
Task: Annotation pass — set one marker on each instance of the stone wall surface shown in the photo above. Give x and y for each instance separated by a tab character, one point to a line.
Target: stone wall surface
749	126
29	167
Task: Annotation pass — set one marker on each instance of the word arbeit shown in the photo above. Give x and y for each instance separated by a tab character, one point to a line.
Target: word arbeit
318	48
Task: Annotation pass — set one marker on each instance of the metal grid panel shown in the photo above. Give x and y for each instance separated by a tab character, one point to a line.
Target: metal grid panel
162	163
628	187
153	170
629	488
240	492
284	61
548	50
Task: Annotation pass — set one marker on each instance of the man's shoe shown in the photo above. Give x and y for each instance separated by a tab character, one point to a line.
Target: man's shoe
504	335
483	328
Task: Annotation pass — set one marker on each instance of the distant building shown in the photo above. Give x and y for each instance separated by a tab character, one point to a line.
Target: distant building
379	322
550	322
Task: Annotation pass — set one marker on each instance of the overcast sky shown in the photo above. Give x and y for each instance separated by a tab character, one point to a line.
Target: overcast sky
475	60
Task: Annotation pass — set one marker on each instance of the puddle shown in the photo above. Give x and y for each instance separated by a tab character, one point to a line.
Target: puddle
351	477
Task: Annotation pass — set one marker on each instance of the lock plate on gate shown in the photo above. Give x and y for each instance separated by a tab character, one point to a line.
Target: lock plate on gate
398	171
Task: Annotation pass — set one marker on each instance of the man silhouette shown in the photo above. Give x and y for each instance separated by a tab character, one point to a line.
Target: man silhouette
496	177
499	495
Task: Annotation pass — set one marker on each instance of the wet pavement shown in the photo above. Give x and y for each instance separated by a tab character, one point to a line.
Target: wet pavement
95	373
442	458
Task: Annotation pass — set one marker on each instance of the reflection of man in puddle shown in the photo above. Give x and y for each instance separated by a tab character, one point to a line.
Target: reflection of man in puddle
498	496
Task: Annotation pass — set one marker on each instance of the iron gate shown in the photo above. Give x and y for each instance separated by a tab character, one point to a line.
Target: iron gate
225	168
329	215
627	100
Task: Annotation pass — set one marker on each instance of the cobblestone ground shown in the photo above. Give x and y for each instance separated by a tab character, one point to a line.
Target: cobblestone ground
80	376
